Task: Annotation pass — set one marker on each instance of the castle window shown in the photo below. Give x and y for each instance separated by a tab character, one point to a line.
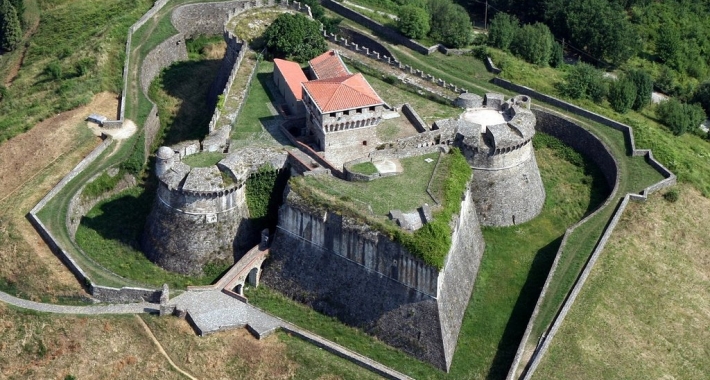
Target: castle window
359	110
372	109
346	113
364	143
332	114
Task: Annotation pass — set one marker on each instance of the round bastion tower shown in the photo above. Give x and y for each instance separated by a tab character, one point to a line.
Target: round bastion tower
496	137
200	214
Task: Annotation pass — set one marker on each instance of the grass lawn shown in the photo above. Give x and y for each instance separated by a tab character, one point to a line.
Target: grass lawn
258	108
646	294
405	191
203	159
364	168
513	269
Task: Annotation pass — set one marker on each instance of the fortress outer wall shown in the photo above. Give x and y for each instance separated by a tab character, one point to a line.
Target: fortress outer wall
347	270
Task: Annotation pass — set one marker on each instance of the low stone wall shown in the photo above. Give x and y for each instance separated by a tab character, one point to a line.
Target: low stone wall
193	20
419	124
125	294
363	41
79	207
388	33
360	177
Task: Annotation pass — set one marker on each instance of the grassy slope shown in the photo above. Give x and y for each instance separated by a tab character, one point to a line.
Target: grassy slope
68	32
643	312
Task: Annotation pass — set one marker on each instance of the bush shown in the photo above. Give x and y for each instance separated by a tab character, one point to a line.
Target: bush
413	21
10	30
584	81
557	55
53	70
702	96
672	195
502	30
449	23
680	117
533	43
622	94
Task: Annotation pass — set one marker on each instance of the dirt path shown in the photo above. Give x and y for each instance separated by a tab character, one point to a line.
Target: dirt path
30	165
160	348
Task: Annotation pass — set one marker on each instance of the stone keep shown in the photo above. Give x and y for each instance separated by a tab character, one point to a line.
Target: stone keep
496	139
200	214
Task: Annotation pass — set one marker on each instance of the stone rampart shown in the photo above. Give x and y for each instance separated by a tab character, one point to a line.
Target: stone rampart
388	33
125	294
165	54
364	41
80	206
193	20
419	124
336	265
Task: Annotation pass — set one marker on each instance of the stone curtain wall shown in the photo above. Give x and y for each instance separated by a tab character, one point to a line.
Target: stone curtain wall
363	41
378	28
419	124
389	293
569	131
227	73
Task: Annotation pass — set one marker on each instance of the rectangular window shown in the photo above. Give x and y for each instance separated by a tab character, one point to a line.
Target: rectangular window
372	109
332	114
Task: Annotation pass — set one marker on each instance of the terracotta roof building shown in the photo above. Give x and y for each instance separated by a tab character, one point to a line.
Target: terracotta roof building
341	108
288	77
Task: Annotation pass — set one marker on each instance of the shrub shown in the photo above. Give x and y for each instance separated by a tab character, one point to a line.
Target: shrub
702	96
672	195
644	87
53	70
502	30
450	23
413	21
584	81
680	117
557	55
533	43
622	94
10	30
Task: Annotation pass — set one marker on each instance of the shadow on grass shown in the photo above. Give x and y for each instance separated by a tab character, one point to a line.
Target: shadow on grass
123	218
515	328
188	82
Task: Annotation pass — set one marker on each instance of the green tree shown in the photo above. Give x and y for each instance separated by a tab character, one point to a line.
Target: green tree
622	94
668	44
20	9
584	81
502	30
702	96
10	30
533	43
450	23
557	56
295	37
680	117
644	88
413	21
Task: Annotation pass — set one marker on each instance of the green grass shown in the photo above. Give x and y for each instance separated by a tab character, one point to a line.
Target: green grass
101	184
405	191
203	159
364	168
513	269
71	31
256	111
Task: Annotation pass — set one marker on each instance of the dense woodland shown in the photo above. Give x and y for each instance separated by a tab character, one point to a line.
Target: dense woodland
661	45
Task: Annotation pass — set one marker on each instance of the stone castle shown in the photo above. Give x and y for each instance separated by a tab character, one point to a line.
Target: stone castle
338	265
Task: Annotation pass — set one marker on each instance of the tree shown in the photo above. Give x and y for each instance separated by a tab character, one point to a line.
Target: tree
10	31
449	23
413	21
644	88
533	43
680	117
622	94
702	96
586	82
295	37
502	30
557	56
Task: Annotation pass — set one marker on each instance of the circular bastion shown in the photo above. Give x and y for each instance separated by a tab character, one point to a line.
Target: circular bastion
200	214
496	138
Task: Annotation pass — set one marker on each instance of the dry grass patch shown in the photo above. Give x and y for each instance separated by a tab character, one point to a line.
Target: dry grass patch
46	346
644	312
30	165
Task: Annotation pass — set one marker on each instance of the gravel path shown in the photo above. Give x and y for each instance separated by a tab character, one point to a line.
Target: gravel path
128	308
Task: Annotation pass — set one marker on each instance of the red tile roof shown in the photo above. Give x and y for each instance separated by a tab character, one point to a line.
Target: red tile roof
342	93
293	75
328	65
